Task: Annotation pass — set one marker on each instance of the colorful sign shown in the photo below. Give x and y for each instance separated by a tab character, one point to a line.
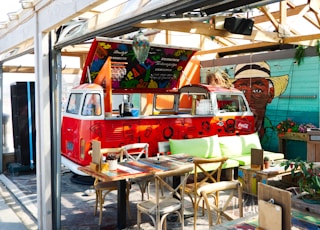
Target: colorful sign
161	70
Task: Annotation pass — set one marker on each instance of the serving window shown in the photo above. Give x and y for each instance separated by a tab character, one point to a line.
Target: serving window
231	103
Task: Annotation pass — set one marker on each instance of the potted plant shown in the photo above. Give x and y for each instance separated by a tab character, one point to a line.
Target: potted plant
230	108
287	125
303	127
266	162
308	175
112	161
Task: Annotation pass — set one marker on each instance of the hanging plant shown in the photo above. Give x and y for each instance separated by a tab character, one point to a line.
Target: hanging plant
318	47
299	54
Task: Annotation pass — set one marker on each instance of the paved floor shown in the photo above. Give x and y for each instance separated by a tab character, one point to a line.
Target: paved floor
8	213
78	200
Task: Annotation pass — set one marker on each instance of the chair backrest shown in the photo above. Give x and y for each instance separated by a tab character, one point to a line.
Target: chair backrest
136	150
257	159
97	153
163	147
118	152
207	170
172	190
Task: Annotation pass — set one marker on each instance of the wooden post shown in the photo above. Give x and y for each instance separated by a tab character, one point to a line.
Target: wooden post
105	74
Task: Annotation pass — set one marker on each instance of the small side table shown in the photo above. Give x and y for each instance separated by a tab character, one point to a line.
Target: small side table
250	177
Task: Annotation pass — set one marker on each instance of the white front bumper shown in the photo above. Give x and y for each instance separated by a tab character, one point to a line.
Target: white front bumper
72	166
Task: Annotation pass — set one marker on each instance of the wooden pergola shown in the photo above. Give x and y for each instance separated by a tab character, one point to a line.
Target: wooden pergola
274	28
54	28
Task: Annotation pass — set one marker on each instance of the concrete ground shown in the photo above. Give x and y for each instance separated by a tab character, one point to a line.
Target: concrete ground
78	200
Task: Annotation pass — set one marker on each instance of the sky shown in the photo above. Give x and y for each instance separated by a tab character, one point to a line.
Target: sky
8	6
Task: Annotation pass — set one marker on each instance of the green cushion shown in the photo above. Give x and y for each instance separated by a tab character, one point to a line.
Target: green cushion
230	163
242	160
205	147
273	156
239	145
246	159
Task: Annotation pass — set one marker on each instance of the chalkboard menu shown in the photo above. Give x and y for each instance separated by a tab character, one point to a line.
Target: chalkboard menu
161	70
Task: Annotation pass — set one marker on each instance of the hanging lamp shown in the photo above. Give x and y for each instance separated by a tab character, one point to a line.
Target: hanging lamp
141	47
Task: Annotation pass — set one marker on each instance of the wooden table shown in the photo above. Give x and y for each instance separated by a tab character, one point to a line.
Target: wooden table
132	169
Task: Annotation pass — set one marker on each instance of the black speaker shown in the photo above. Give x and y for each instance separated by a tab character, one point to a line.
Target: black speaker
23	122
239	25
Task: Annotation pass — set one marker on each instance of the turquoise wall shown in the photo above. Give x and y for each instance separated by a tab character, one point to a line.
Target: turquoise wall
300	101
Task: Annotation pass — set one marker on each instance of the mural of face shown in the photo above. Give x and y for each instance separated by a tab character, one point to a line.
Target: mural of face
259	88
259	92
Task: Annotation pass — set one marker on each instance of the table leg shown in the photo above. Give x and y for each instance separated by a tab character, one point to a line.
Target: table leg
283	147
122	214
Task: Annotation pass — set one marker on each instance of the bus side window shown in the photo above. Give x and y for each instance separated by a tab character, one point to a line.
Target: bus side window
74	103
243	105
231	103
97	101
92	105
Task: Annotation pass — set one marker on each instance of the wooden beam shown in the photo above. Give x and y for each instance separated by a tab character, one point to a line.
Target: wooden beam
187	25
292	11
237	48
312	21
302	12
276	15
30	69
315	7
269	15
225	41
308	40
290	4
283	12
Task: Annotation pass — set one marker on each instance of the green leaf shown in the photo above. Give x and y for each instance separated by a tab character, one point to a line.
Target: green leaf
318	47
299	54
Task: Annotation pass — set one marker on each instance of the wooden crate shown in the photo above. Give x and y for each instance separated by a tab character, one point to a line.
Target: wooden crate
248	179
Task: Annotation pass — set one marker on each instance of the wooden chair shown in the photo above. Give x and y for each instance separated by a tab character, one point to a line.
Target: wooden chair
172	202
206	183
213	190
135	152
206	171
104	188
